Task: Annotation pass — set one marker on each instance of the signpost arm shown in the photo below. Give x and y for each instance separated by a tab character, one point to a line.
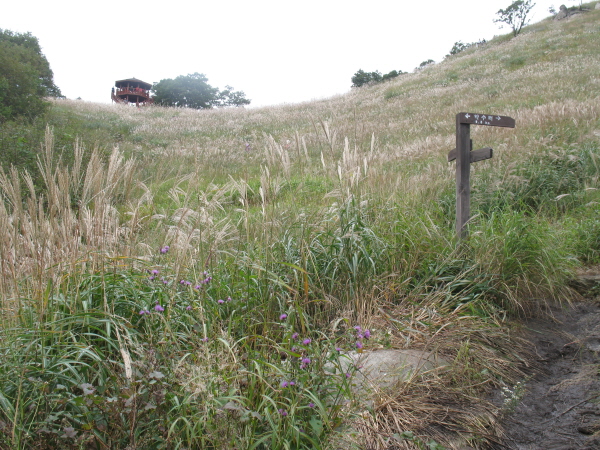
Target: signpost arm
463	167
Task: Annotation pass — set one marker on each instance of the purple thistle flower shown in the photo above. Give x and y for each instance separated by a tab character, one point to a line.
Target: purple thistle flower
283	317
165	249
284	384
151	278
154	272
367	334
292	383
188	307
338	349
306	341
220	302
358	328
305	363
204	339
295	349
359	336
359	344
197	286
182	282
159	308
348	375
283	412
295	336
311	405
142	312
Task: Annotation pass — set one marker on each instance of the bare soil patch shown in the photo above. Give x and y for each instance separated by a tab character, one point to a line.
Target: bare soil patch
560	408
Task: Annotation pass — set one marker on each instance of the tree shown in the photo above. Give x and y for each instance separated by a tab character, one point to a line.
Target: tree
458	47
25	77
390	75
361	77
229	97
515	15
193	91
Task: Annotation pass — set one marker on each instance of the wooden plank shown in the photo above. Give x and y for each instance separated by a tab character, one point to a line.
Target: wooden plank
481	154
452	155
486	119
476	155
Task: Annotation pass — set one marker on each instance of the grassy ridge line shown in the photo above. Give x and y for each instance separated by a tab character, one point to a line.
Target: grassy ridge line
349	224
415	122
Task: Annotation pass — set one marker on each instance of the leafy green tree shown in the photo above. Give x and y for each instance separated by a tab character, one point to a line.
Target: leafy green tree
25	77
515	15
229	97
390	75
361	77
461	46
193	91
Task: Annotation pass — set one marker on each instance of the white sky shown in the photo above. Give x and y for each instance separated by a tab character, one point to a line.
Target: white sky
276	51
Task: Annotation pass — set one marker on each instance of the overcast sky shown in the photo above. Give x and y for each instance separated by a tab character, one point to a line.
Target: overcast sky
276	51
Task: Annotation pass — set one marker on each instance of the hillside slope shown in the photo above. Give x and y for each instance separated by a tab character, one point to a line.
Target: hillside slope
175	278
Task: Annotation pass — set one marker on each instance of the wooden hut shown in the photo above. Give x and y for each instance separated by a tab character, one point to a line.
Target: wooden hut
132	90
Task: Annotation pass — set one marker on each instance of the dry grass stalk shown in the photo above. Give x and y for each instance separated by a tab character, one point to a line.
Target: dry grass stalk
47	234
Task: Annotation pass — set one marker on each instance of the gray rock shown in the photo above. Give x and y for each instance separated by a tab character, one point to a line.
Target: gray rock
384	368
562	13
587	284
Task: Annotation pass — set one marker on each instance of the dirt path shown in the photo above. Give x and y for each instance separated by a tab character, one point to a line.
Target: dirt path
560	408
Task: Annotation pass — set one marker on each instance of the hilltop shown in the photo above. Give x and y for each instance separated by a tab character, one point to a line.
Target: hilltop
168	273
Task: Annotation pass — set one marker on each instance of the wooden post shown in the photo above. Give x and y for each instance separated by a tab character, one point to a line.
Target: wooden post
465	156
463	176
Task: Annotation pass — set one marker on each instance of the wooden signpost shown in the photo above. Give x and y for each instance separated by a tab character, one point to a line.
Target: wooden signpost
465	155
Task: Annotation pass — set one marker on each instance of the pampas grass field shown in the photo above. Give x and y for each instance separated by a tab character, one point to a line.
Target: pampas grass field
184	279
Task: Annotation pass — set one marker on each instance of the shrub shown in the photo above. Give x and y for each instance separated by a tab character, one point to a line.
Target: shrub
362	78
25	77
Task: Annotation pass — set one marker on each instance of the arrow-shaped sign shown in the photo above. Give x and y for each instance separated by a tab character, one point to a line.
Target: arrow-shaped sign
486	119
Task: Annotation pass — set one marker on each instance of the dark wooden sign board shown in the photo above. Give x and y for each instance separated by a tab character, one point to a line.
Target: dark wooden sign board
465	155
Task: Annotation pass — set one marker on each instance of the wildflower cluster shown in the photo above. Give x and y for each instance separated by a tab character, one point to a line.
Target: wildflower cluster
181	297
310	374
157	307
207	279
360	335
